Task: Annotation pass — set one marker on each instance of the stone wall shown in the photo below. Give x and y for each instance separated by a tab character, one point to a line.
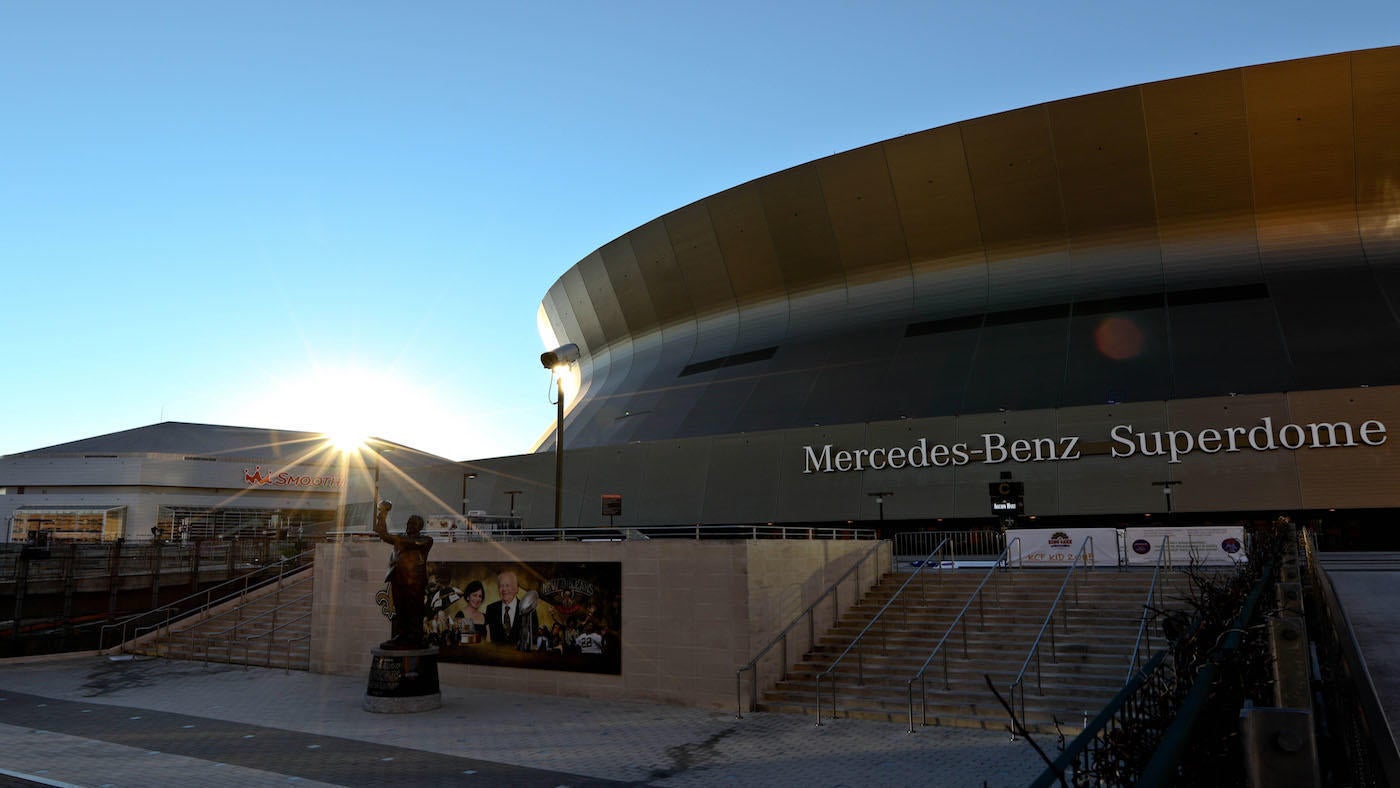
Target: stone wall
692	611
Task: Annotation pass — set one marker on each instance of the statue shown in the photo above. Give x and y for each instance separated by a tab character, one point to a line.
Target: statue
407	579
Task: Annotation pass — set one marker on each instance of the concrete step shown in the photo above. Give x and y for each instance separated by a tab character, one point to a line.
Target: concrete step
251	634
1087	676
1088	665
989	716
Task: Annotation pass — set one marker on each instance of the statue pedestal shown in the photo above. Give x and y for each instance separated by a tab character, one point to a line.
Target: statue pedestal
403	681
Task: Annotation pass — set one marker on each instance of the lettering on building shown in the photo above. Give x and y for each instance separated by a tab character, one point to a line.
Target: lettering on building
994	448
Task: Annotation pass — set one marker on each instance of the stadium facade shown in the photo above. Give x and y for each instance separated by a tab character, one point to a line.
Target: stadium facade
1186	287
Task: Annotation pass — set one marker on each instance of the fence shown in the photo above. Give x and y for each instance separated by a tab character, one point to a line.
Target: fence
964	544
629	533
106	559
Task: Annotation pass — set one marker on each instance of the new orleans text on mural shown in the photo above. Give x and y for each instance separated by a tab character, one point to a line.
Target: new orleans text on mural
1174	444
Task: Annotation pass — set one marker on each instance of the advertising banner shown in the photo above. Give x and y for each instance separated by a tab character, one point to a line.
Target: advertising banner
1059	546
551	616
1198	545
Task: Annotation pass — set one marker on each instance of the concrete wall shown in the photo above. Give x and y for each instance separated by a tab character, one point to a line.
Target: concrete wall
693	612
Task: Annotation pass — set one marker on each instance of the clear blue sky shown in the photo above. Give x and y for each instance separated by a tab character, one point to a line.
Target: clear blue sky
267	213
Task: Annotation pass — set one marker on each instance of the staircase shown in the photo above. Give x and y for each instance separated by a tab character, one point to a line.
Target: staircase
1089	667
270	627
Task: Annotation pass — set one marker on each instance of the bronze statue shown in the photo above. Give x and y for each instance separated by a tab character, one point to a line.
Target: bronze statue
407	579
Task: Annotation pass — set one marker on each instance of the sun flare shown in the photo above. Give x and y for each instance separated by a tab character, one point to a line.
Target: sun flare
348	439
351	405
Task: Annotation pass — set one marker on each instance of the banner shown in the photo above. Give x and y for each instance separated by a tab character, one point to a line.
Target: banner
1216	545
551	616
1059	546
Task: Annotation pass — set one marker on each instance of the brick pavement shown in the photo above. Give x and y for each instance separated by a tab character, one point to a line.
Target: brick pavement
309	729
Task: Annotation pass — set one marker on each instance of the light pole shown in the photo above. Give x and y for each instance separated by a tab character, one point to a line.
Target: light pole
880	501
1167	490
557	361
465	477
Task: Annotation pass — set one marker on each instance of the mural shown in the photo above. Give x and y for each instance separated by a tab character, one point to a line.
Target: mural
551	616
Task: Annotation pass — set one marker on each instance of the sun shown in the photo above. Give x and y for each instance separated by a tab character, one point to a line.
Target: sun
353	406
347	440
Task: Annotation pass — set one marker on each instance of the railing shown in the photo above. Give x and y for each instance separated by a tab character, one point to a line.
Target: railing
810	614
1136	716
1137	706
287	666
1151	605
1086	555
621	533
1160	770
106	559
229	634
1357	716
247	641
935	557
1002	562
963	543
166	615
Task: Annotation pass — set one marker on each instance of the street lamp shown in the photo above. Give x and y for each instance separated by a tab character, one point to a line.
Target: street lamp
880	501
1167	490
465	477
557	361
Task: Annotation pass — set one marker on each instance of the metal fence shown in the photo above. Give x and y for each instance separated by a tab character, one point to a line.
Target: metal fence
109	559
986	542
630	533
1142	736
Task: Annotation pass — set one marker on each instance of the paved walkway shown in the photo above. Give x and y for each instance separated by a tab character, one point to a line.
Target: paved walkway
88	720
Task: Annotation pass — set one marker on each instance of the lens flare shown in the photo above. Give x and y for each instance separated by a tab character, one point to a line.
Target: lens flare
1118	338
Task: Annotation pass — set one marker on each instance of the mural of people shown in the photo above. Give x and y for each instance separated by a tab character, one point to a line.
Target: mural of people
535	616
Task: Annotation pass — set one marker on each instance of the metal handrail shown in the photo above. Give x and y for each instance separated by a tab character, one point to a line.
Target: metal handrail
1081	750
173	611
286	666
282	580
619	533
860	660
1153	601
1003	562
238	624
271	611
1085	554
247	641
781	637
1339	626
1172	746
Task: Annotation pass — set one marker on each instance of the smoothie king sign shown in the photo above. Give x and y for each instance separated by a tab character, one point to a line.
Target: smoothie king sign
257	477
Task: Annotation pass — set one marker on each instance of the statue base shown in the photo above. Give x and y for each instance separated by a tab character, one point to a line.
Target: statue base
402	681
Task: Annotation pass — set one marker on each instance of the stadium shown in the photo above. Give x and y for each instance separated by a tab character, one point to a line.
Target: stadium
1172	298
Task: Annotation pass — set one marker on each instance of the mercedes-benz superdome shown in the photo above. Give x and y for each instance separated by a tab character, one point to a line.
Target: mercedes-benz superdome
1187	286
1230	233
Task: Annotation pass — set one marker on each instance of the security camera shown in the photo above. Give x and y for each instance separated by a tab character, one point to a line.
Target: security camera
558	357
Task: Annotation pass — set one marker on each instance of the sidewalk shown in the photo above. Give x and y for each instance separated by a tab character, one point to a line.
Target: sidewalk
88	720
